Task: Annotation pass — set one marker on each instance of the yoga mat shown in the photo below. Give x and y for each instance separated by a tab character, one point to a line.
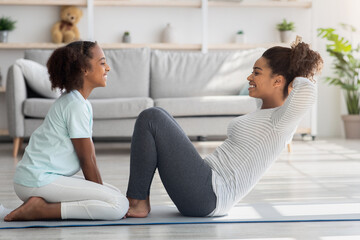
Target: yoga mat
242	213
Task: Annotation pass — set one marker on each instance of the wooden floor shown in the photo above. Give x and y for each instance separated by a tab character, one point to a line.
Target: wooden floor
321	171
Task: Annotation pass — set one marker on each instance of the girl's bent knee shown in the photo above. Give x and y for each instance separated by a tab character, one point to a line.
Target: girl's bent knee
121	208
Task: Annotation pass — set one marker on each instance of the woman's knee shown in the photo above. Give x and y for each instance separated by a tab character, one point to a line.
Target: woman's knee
151	114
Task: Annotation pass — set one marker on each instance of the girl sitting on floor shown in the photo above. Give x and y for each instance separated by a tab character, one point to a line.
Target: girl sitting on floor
62	145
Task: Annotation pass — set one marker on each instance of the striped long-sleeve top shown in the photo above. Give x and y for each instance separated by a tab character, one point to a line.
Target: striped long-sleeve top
254	141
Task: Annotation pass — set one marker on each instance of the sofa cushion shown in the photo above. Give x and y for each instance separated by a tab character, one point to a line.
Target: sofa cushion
207	106
37	77
102	108
37	107
119	107
190	74
129	75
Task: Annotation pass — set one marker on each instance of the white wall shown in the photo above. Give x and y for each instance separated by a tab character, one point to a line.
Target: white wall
146	24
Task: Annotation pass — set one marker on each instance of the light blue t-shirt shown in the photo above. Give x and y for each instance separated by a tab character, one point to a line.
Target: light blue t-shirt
50	152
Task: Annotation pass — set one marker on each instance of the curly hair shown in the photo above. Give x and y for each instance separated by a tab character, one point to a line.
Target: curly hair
66	65
297	61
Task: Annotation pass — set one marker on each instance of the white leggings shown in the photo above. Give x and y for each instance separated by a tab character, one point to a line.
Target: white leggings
79	198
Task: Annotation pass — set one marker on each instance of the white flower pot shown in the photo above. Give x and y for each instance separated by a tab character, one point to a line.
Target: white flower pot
286	36
352	126
240	38
4	36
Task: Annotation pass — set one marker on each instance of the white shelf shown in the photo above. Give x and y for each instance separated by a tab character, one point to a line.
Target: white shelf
44	2
149	3
162	3
165	46
262	4
14	45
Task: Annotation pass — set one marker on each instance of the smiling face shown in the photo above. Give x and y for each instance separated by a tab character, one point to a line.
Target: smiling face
264	84
97	75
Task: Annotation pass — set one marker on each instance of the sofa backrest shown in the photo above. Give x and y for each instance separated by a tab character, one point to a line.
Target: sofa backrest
188	74
128	77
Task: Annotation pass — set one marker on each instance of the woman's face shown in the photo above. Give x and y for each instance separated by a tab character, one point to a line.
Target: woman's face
261	81
97	75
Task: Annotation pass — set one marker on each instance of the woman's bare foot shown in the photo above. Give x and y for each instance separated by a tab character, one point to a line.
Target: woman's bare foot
35	208
138	208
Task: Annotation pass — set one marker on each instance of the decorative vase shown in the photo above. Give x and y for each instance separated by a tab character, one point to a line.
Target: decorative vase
352	126
168	34
4	36
286	36
126	38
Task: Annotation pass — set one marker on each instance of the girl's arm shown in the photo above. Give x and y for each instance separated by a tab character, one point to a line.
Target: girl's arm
85	151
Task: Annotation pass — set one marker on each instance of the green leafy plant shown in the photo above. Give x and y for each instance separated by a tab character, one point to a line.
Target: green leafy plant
345	65
285	26
7	24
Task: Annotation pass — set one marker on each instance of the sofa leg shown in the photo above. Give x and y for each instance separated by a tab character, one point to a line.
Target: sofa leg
17	145
289	148
201	138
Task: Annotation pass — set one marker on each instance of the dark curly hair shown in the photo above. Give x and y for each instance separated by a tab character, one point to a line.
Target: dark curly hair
297	61
66	65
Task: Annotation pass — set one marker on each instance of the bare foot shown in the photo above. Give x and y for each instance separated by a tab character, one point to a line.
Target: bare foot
138	208
32	209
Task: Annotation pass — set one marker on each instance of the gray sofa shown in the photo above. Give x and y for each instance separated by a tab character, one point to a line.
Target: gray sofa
202	91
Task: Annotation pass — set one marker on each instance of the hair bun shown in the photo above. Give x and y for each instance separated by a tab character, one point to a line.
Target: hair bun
304	61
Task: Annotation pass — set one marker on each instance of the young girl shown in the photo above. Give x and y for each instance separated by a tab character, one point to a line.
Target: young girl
213	185
62	145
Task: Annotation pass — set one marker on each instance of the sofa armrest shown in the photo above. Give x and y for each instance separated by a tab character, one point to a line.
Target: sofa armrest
15	97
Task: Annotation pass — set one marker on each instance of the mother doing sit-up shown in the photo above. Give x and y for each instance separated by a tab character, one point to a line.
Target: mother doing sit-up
283	79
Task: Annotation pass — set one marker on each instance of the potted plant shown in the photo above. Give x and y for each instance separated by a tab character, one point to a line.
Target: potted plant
346	66
240	37
6	25
285	28
126	37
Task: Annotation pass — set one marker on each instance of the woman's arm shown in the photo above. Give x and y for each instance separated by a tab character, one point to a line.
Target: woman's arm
85	151
302	95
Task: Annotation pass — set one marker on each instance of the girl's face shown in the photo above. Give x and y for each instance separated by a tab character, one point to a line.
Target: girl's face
97	75
262	83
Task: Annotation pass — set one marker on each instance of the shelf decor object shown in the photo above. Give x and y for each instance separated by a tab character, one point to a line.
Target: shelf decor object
168	34
126	37
240	37
286	29
6	25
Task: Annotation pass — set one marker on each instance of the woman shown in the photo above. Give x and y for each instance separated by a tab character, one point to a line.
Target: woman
62	145
213	185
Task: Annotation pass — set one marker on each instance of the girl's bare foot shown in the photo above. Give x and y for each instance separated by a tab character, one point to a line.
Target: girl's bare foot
35	208
138	208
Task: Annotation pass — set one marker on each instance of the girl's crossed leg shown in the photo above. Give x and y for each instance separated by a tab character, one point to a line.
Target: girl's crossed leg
70	198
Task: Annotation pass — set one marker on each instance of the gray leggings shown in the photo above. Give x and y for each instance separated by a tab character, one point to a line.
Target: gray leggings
159	142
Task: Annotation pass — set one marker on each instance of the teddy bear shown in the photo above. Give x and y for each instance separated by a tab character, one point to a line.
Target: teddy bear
65	31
